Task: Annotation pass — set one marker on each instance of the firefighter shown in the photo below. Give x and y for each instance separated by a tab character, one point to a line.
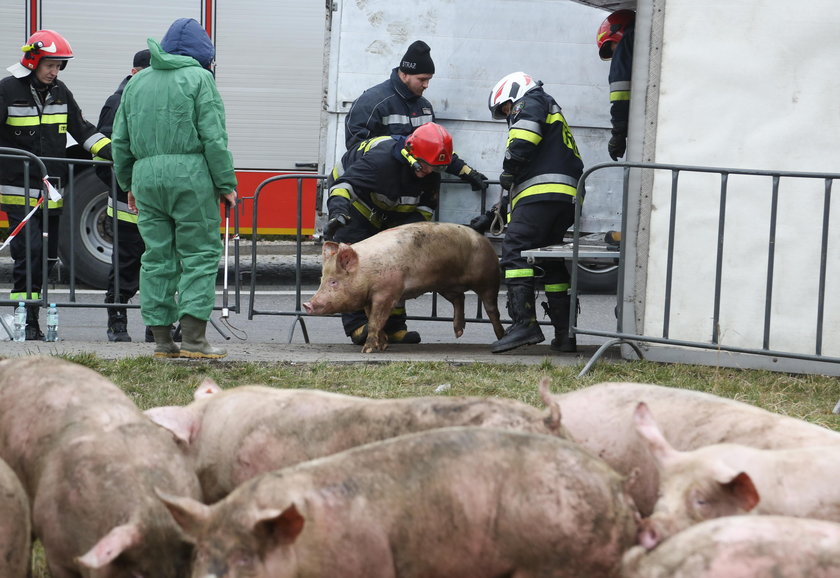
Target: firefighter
541	169
130	244
171	155
387	181
397	107
615	43
37	112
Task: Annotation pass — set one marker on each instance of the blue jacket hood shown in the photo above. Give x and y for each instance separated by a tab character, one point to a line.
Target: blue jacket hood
186	37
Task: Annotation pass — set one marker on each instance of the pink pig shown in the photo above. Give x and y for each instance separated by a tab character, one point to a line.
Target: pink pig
730	479
459	502
90	462
286	426
15	526
403	263
600	418
742	547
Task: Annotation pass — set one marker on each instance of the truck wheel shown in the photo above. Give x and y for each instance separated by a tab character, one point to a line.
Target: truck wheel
599	276
90	231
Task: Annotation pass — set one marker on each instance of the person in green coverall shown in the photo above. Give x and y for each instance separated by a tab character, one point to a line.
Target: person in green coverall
171	154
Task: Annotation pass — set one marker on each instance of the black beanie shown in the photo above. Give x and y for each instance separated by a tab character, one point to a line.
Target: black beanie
141	59
417	59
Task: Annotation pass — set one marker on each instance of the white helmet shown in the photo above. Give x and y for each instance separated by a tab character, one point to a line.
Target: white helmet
510	89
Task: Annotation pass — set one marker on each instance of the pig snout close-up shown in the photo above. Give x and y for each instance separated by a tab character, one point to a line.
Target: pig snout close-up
742	547
732	479
90	461
288	426
458	502
15	526
403	263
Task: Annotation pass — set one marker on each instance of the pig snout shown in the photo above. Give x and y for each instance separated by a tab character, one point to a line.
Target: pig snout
653	531
307	306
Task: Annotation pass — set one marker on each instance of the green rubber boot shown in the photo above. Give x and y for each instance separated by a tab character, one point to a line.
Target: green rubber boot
164	346
194	343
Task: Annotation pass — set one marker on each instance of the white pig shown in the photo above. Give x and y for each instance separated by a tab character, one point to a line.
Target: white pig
600	418
90	461
729	479
233	435
459	502
743	547
403	263
15	527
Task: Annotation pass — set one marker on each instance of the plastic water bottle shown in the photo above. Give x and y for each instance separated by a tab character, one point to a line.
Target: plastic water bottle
20	322
52	323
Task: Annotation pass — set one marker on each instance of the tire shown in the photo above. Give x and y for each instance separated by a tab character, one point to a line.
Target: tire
89	230
596	276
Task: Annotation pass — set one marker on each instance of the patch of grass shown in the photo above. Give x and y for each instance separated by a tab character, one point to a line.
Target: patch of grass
153	383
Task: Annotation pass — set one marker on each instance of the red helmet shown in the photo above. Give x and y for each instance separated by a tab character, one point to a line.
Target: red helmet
611	30
44	44
430	143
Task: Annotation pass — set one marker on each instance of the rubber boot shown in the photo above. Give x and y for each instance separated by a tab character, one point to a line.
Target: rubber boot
525	330
194	343
117	322
33	329
176	333
401	335
557	309
164	346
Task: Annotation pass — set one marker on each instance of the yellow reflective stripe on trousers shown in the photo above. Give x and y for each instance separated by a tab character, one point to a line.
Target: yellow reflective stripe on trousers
546	189
518	273
24	296
557	288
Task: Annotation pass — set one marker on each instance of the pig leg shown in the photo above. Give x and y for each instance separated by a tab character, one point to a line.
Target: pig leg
457	300
377	315
490	298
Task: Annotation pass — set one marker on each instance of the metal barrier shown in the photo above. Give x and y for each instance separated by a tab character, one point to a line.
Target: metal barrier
76	169
298	313
714	342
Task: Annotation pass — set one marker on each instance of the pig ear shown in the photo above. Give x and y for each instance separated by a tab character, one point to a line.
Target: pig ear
742	489
181	421
207	388
280	527
329	249
189	514
115	542
553	420
348	259
647	428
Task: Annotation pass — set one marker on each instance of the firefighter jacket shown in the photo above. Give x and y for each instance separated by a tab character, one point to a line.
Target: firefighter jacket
380	183
106	127
620	69
541	152
390	109
41	128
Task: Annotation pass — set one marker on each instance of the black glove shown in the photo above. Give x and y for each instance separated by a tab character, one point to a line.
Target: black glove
506	180
334	224
617	146
482	223
477	181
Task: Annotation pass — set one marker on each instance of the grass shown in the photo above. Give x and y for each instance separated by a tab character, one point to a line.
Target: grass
152	383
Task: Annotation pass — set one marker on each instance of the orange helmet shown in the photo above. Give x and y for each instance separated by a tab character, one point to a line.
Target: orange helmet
44	44
612	30
430	143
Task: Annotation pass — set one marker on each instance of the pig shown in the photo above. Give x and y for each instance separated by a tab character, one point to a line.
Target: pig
458	502
730	479
403	263
600	418
15	526
90	461
287	426
742	547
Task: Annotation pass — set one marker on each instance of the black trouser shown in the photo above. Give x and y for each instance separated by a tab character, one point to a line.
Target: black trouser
531	226
33	230
358	229
130	249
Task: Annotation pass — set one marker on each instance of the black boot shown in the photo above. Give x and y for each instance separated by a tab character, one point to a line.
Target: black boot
557	309
117	322
33	329
525	330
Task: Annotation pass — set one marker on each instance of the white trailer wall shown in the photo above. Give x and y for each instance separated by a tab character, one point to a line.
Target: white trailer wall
747	85
474	43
